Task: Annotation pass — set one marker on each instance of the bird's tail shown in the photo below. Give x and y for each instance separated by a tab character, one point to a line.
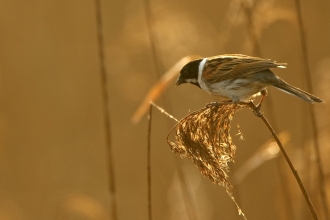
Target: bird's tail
285	87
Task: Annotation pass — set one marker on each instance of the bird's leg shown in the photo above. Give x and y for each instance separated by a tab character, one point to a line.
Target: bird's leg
257	111
264	94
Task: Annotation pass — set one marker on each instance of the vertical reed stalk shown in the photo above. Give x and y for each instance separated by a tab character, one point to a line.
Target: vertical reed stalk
106	113
152	40
315	133
149	163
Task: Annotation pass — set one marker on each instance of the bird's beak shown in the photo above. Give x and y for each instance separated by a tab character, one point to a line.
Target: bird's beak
179	81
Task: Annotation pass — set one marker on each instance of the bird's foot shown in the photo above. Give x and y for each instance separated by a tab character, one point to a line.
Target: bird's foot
256	110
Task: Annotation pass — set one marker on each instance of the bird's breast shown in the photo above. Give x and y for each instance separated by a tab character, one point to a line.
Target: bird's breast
236	89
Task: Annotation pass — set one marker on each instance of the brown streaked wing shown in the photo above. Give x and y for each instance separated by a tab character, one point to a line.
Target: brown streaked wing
235	65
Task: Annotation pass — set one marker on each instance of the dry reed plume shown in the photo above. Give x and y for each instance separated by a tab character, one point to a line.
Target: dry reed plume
204	137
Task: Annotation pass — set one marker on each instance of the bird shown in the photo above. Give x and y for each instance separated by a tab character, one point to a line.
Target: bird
238	77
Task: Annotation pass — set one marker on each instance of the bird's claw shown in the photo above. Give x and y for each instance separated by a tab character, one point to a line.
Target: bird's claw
257	112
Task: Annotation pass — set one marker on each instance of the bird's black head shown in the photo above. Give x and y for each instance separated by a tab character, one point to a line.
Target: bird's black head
189	73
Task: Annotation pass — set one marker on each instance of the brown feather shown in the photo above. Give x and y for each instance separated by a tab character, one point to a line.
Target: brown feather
232	66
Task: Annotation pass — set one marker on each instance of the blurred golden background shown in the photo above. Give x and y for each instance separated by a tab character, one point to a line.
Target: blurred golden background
53	150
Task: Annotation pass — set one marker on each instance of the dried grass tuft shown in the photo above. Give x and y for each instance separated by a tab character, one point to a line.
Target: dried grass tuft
204	137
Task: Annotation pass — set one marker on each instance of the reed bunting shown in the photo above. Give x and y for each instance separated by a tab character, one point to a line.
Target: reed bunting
238	77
